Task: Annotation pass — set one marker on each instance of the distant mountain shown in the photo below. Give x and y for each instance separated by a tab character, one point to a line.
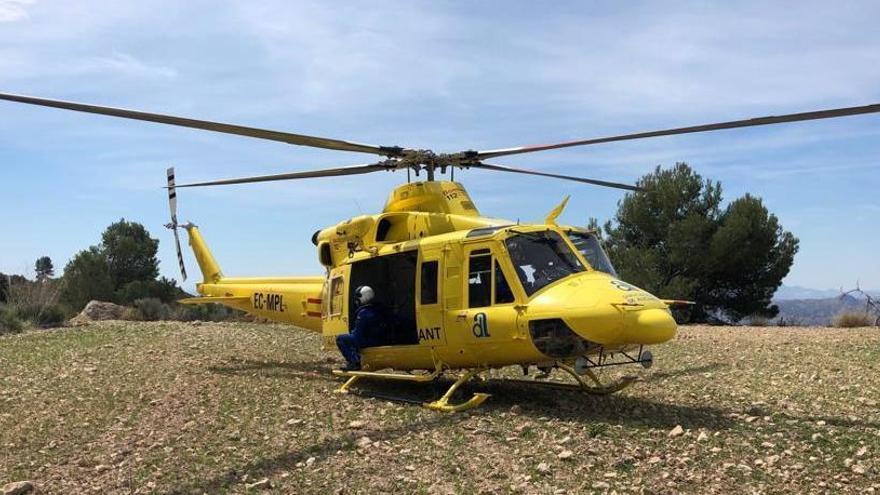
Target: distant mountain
815	311
789	292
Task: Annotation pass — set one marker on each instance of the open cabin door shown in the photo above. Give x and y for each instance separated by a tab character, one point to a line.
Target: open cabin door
336	310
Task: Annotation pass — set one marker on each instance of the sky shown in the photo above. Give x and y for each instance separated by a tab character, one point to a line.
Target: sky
443	75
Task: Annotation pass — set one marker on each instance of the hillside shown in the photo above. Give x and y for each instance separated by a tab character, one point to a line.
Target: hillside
212	408
816	311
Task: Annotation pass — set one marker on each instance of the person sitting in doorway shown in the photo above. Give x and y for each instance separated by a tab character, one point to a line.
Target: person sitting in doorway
367	331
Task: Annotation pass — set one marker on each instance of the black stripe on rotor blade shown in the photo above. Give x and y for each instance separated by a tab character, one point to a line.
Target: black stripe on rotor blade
253	132
773	119
596	182
311	174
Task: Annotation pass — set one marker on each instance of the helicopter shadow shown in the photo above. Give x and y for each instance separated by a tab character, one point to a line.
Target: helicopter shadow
319	369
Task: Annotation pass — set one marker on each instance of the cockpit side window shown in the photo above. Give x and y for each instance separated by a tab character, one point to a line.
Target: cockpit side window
541	258
503	294
480	279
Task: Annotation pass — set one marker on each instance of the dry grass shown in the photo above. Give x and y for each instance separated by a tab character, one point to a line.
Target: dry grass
853	319
178	408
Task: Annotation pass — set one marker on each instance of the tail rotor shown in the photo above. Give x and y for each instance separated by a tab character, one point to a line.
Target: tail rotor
172	205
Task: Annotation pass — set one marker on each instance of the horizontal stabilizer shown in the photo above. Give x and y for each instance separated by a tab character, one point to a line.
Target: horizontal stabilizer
214	299
677	302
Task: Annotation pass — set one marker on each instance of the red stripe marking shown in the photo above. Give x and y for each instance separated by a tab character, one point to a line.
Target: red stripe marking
316	314
312	300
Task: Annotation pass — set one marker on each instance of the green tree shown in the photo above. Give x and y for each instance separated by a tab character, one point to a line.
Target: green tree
130	253
86	277
4	287
44	268
675	240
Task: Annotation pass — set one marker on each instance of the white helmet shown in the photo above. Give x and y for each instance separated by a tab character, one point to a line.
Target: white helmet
363	295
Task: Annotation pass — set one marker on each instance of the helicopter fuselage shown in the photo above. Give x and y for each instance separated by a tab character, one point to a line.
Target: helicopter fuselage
460	290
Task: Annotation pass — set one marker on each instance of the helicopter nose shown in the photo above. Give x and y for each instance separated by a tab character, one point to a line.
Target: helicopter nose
652	326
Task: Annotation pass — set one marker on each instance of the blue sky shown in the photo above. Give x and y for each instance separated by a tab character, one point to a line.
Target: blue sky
444	75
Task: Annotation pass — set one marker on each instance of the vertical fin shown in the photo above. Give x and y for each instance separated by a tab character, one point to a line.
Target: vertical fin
210	269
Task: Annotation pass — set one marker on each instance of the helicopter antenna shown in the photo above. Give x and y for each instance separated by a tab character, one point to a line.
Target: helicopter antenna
172	206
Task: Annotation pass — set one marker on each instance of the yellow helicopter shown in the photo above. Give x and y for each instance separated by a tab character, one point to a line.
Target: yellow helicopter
468	293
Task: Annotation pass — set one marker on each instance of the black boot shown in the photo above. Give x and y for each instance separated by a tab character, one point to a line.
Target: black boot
351	367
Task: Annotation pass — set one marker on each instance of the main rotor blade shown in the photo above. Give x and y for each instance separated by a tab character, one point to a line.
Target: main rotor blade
502	168
773	119
284	137
311	174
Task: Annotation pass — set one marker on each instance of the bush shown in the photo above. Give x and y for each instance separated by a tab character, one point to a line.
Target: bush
47	315
152	309
759	321
9	323
206	312
163	289
851	319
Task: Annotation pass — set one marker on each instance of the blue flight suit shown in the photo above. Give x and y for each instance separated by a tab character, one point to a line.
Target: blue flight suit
367	331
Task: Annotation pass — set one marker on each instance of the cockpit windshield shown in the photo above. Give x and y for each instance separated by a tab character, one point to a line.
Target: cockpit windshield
541	258
592	251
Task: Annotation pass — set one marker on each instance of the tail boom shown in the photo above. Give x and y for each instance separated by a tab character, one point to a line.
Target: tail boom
293	300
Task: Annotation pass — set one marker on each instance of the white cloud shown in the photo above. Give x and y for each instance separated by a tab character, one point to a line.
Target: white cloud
14	10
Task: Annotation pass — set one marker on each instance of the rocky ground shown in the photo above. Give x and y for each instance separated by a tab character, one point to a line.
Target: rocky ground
235	408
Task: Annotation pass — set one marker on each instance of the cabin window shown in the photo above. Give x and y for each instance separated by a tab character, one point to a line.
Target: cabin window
480	279
429	282
503	294
337	295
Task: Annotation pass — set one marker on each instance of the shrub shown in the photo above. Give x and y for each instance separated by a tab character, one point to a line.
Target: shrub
850	319
152	309
759	321
43	315
131	314
9	323
206	312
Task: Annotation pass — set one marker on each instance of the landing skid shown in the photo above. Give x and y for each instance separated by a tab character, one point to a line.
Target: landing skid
441	404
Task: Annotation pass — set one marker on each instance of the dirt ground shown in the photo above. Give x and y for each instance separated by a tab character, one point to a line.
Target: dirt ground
123	407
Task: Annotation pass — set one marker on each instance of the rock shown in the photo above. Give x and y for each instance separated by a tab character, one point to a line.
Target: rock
702	437
565	454
263	484
294	422
654	460
543	468
18	488
100	468
862	451
858	469
363	442
100	311
676	432
310	461
601	485
410	468
357	424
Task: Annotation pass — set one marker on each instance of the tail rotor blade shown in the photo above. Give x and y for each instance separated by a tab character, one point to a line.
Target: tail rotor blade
172	207
179	255
172	197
